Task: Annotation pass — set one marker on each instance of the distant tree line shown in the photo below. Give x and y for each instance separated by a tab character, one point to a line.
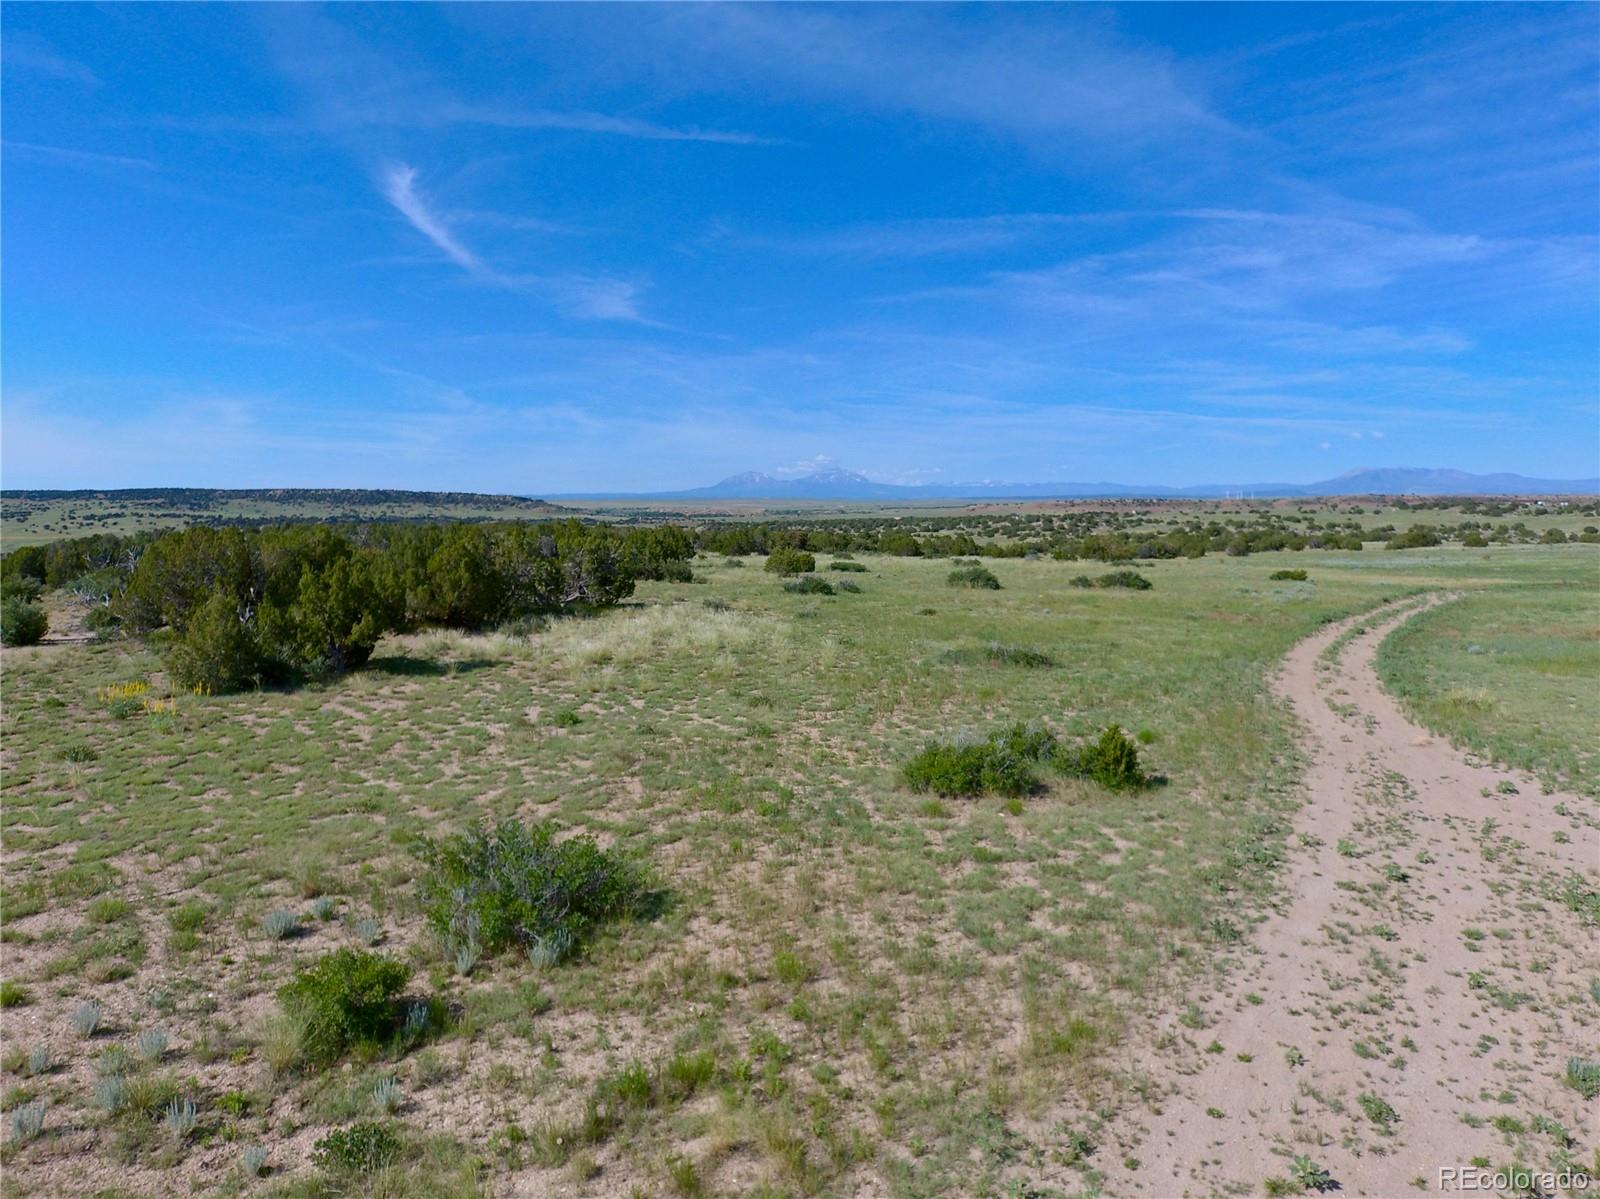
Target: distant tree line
1064	546
236	607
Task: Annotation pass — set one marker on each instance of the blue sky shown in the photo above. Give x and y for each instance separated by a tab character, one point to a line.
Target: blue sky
545	249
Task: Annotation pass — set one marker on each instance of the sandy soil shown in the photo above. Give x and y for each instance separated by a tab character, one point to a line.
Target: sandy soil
1471	960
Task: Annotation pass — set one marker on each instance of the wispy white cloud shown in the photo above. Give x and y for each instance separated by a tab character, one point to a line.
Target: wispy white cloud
1035	80
601	299
349	85
80	159
586	297
28	52
399	185
925	237
455	113
1301	281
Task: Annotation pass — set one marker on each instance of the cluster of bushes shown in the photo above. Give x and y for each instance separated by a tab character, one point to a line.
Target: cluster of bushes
1288	576
1000	764
74	561
1414	538
1004	762
1119	547
22	622
1000	654
494	887
973	575
247	607
851	567
509	885
1129	579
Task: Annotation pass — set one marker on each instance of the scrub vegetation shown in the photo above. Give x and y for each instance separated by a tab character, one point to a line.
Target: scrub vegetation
689	883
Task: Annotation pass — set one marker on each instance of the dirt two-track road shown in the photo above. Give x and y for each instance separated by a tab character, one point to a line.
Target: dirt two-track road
1426	974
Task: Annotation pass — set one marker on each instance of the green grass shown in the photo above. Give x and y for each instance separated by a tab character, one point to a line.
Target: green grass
1511	673
845	980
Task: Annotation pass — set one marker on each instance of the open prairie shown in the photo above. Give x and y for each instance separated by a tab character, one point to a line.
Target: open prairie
835	601
1317	945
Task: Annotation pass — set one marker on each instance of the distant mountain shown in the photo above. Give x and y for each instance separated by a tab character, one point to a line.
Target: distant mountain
823	485
838	484
1421	481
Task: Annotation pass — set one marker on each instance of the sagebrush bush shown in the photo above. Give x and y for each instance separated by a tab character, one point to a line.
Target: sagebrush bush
345	1000
809	585
497	886
22	622
1291	576
87	1018
973	576
1584	1077
280	924
784	560
1112	761
1000	764
854	567
27	1121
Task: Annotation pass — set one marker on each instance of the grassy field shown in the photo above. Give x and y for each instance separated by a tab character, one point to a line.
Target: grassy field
1512	673
849	988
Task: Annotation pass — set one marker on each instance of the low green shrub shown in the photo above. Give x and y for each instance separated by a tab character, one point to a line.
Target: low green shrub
362	1148
1130	579
508	884
345	1000
999	654
809	585
1415	538
22	622
1000	764
854	567
1003	763
1288	576
1112	761
1378	1110
1309	1175
980	577
102	621
784	560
